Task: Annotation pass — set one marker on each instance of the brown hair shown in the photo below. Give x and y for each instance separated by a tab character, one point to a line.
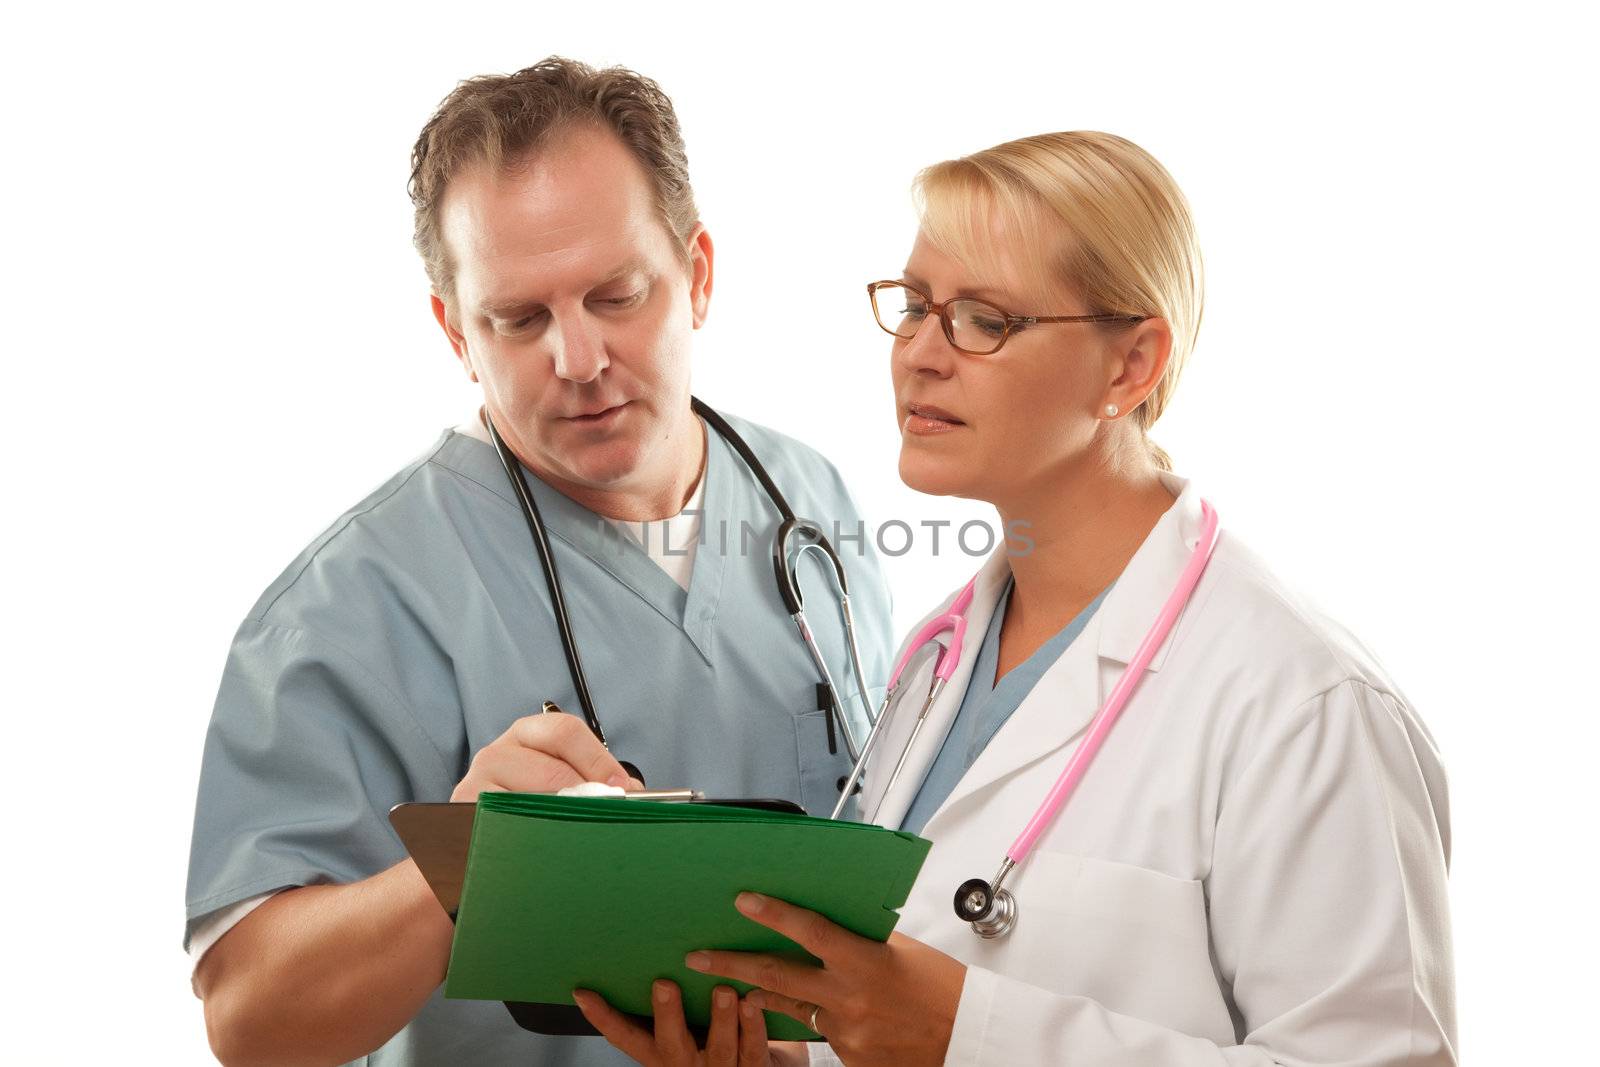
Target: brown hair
503	119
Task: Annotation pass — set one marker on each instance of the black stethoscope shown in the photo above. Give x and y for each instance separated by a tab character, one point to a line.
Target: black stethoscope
803	534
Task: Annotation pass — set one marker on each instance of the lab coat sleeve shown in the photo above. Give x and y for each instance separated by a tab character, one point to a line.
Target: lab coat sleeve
1327	911
306	752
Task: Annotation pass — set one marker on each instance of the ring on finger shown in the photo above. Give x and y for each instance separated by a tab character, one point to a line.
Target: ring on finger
815	1008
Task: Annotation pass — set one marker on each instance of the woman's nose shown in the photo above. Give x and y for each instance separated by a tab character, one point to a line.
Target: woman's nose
927	351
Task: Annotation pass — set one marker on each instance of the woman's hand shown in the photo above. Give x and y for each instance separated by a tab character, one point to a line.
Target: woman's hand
877	1003
737	1037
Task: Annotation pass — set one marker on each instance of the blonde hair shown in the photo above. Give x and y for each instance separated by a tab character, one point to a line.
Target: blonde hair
1091	210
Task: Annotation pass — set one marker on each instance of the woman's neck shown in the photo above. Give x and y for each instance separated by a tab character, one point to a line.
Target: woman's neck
1085	527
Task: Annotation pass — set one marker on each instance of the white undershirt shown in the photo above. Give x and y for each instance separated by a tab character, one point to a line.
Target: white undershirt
670	542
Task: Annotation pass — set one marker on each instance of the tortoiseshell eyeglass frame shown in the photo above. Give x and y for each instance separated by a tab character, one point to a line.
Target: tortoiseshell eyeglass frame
1013	322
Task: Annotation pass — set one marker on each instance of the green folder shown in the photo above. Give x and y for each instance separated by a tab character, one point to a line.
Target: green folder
608	894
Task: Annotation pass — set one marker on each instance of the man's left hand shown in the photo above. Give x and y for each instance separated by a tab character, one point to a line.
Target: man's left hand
737	1036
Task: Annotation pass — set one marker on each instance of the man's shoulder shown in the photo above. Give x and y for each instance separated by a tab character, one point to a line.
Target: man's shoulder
387	529
784	455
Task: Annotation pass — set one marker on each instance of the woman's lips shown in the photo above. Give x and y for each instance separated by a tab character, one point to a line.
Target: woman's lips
925	420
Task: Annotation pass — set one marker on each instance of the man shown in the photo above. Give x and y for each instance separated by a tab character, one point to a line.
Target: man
405	653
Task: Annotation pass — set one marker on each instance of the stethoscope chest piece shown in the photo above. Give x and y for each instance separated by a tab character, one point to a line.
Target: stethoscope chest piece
991	912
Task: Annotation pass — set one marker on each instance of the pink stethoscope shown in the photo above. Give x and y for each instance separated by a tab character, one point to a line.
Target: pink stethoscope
987	905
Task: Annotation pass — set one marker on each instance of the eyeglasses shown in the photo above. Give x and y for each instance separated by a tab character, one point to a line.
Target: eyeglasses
971	326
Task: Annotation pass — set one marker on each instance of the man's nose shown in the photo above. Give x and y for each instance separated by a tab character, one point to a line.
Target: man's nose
579	348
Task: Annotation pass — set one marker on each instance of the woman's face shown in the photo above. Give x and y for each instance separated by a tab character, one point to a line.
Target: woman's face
994	427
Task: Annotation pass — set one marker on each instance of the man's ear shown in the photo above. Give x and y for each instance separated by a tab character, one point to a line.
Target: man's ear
701	255
458	343
1144	354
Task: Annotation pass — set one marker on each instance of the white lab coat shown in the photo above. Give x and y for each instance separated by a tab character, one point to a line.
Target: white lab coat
1252	871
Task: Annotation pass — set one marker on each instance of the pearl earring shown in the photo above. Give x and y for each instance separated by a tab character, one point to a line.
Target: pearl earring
1111	411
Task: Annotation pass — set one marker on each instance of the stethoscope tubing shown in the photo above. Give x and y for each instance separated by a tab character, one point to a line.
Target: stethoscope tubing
874	735
954	620
789	590
790	528
905	750
1106	718
558	602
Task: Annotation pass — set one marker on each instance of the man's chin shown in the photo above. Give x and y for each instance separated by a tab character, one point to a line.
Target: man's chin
606	466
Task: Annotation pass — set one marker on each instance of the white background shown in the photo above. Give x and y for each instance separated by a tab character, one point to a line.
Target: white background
219	339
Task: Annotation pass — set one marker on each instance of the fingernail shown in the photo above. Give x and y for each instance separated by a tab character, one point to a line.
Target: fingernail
750	903
697	961
748	1009
755	1000
582	998
723	997
663	991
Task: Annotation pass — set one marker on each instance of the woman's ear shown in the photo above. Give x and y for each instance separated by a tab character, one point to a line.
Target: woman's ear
1142	352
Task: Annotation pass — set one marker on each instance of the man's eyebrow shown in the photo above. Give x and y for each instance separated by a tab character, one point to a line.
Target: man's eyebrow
636	265
500	311
513	307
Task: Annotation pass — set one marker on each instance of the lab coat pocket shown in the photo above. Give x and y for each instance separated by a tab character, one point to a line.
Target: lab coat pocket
820	771
1134	939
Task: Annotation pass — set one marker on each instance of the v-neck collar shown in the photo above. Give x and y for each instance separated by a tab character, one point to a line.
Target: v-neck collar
693	611
710	561
989	655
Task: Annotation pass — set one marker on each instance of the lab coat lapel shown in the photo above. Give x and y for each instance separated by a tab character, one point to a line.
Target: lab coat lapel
1072	690
991	581
1057	709
1148	579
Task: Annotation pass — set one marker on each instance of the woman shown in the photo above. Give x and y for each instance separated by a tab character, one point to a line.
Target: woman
1252	868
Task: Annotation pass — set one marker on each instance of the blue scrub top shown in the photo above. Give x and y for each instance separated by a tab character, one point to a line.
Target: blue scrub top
987	705
418	627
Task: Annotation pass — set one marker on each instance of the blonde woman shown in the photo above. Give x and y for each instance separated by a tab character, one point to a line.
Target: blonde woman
1252	869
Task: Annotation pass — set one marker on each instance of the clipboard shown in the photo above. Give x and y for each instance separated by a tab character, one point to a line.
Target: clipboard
439	835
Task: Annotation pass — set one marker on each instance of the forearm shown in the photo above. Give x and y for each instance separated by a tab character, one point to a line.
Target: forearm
325	974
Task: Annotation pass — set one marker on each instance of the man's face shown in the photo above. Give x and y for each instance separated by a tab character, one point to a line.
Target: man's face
574	309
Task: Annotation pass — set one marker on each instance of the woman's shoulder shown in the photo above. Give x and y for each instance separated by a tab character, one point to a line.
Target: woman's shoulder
1265	664
1254	615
